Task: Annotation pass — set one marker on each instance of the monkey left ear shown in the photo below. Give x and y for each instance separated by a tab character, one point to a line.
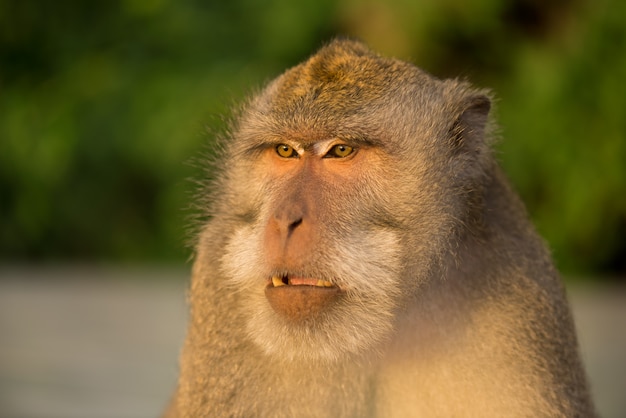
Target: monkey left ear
469	126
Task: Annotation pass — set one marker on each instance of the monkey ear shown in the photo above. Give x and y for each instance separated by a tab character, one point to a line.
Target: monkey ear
469	127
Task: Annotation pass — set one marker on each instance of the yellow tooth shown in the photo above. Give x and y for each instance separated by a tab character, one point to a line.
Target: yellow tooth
323	283
277	281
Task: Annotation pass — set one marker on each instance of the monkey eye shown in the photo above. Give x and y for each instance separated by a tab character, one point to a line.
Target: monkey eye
286	151
339	151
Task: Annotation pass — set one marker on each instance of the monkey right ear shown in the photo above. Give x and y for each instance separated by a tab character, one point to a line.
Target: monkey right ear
469	127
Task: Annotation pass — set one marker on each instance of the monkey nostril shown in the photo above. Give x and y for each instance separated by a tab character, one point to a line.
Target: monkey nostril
292	226
295	224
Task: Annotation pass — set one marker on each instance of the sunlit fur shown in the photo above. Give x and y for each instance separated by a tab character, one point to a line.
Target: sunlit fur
451	306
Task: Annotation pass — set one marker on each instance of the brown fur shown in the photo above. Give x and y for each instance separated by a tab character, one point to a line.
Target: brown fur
444	301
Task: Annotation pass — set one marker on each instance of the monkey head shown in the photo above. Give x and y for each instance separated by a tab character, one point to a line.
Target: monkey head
343	183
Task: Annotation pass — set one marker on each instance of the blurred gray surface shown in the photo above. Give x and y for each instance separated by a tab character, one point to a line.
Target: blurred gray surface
103	342
85	342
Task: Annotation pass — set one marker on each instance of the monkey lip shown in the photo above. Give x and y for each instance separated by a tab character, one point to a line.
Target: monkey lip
298	298
278	281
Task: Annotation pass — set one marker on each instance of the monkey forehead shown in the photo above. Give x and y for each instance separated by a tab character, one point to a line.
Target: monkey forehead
344	88
343	78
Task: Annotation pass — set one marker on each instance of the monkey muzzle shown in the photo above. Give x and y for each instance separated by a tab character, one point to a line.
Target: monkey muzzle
299	298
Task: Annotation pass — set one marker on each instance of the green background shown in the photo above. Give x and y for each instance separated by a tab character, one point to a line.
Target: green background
103	104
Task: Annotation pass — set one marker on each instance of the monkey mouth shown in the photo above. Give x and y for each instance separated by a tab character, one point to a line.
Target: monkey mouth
297	298
287	280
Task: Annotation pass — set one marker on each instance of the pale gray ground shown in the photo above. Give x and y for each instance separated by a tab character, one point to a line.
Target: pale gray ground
103	342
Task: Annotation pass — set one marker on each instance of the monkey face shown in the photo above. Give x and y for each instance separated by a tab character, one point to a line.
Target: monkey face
338	201
317	273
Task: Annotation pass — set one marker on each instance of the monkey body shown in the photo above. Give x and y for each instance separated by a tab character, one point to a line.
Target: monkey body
365	257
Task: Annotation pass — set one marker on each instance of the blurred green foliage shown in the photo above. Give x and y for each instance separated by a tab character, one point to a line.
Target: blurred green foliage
103	102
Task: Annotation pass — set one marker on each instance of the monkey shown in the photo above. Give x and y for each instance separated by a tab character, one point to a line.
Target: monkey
364	255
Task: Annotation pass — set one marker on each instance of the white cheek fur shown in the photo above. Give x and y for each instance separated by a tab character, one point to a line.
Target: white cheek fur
242	260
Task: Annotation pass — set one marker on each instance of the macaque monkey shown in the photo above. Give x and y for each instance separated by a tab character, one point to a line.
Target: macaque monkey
366	257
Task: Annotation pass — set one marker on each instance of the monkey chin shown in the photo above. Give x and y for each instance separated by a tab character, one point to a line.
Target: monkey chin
306	324
299	302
